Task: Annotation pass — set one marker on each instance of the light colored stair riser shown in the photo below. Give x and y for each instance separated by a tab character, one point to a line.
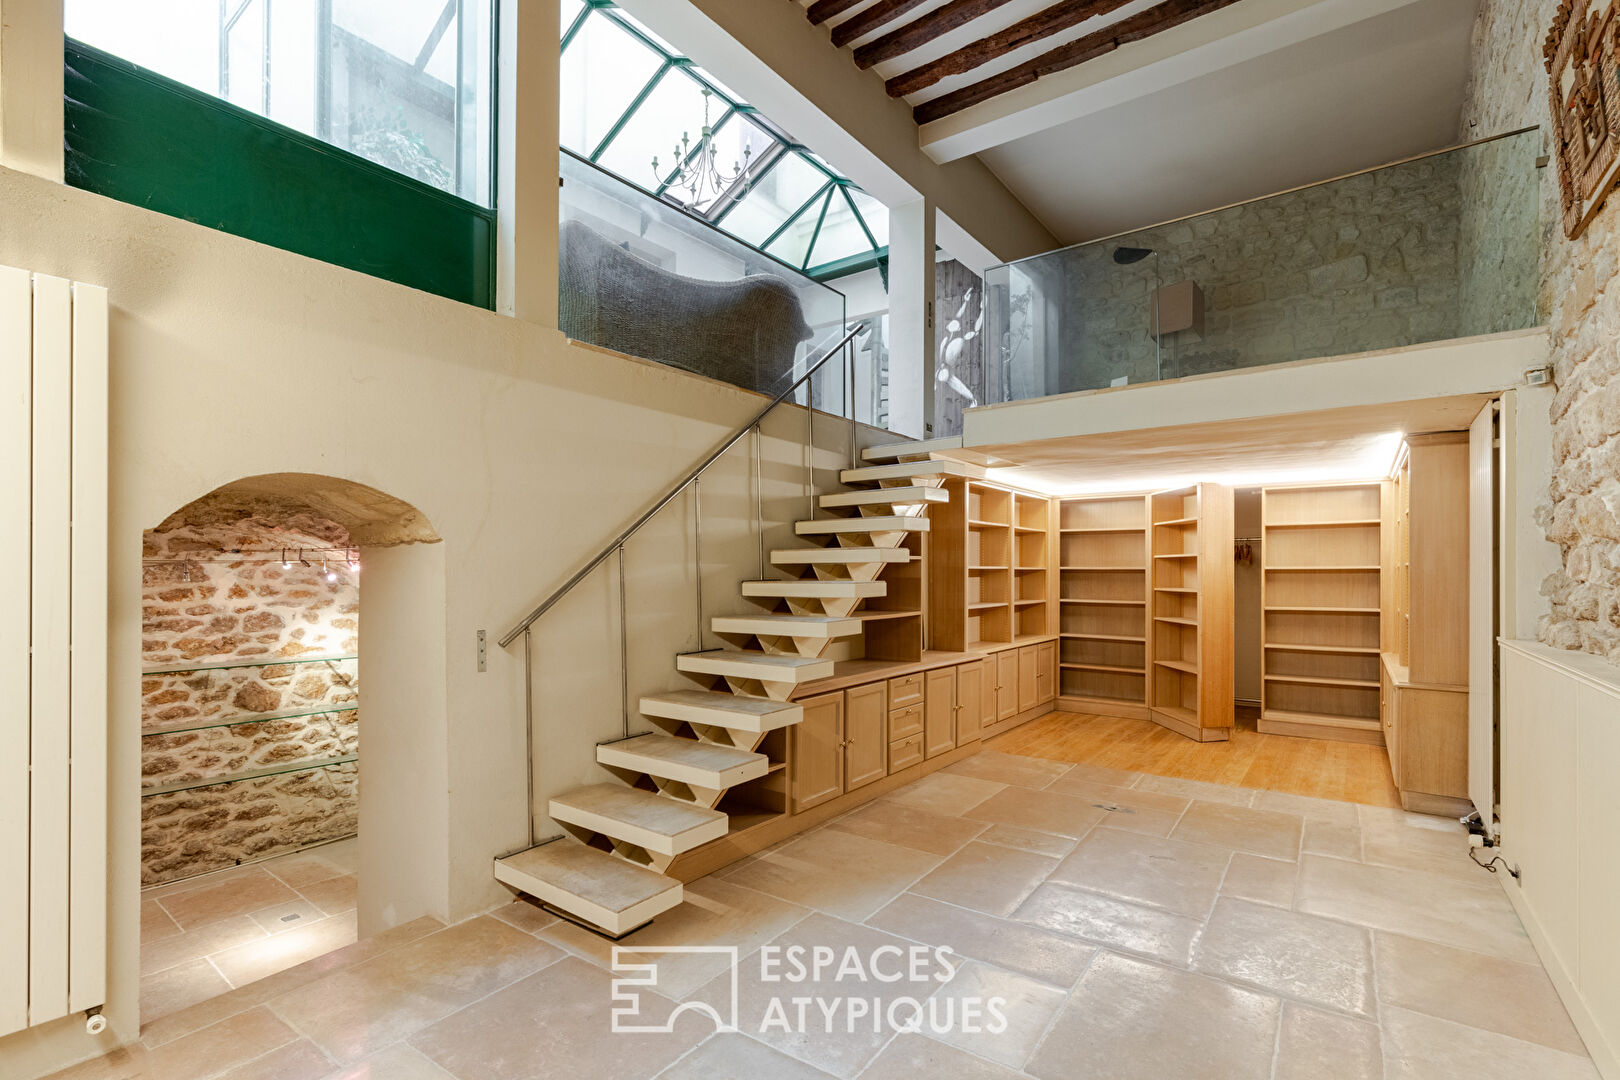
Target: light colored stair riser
911	472
668	830
699	764
592	885
918	496
721	711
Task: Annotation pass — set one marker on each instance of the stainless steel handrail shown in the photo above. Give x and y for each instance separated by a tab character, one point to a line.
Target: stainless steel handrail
669	496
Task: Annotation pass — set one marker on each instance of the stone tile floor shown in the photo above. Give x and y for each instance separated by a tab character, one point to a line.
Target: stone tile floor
1132	927
205	935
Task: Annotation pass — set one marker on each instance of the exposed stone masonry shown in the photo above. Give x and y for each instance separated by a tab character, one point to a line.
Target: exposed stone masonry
202	607
1582	511
1368	262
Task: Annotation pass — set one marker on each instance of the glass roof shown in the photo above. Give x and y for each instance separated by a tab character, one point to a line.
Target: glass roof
629	99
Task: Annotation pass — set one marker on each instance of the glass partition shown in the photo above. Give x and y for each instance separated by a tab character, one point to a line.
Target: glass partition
1444	246
642	277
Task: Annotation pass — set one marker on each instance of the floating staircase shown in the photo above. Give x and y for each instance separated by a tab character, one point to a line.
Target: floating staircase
667	787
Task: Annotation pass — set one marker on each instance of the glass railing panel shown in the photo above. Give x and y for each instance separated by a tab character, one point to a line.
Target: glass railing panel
1445	246
643	277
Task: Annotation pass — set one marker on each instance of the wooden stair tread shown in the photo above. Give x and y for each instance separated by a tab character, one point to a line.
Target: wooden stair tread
659	824
811	588
741	663
789	556
911	449
833	526
719	709
689	761
912	469
895	496
602	889
820	626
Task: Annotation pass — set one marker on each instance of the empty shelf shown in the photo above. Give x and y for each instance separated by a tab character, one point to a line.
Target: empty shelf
1107	529
1322	524
1322	680
977	524
1360	723
1175	619
1290	646
1179	555
1174	589
1106	637
1186	667
1027	603
1108	569
987	604
1301	610
1186	716
1178	521
1106	603
1112	670
1321	569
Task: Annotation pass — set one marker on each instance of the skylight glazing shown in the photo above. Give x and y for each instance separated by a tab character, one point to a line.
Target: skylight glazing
628	97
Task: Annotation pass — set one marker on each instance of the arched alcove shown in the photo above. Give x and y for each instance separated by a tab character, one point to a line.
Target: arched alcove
255	631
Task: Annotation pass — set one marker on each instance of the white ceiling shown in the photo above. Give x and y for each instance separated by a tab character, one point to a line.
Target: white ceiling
1354	443
1375	91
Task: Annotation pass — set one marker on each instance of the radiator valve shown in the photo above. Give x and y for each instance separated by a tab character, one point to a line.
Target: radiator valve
94	1022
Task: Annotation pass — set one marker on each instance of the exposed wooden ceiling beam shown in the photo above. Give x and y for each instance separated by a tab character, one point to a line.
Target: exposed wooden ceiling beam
1145	24
864	22
1042	24
921	31
822	10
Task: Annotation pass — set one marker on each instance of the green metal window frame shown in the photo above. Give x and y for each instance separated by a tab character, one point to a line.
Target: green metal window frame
145	139
783	146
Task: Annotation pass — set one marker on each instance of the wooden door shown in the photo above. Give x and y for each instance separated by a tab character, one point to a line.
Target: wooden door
989	698
939	712
1045	672
970	710
816	753
866	744
1026	679
1006	684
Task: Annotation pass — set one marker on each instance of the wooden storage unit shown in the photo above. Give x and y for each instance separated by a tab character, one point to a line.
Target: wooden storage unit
1424	677
1102	549
893	625
990	581
1320	611
1190	613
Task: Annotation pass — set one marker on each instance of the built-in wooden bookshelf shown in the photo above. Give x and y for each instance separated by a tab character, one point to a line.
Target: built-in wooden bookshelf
1102	567
991	582
1190	611
1321	611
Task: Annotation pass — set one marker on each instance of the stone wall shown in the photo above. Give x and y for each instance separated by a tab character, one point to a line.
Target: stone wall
249	666
1581	512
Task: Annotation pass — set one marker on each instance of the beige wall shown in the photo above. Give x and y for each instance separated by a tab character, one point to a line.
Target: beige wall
523	452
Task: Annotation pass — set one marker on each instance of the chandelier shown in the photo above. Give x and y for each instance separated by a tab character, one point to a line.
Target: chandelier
698	171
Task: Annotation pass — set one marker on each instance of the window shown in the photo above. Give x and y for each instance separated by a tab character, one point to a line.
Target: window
629	98
403	83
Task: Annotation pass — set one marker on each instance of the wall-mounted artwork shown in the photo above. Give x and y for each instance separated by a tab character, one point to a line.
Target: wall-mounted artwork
1584	95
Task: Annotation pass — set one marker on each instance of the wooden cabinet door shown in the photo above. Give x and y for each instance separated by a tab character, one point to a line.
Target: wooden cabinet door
816	753
1045	672
989	697
939	712
1027	698
1006	684
866	738
969	701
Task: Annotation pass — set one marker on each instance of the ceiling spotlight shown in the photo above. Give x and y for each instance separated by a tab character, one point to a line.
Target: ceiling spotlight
286	563
331	575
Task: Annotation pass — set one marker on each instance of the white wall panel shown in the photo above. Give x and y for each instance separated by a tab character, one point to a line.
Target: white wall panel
1560	758
16	367
50	694
87	851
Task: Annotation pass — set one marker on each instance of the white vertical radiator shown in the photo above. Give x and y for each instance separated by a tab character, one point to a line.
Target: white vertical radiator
53	648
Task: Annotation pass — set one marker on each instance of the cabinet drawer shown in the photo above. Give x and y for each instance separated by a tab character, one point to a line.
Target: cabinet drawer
904	722
905	691
904	753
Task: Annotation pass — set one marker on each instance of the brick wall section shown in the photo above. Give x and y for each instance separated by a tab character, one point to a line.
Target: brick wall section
202	607
1581	512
